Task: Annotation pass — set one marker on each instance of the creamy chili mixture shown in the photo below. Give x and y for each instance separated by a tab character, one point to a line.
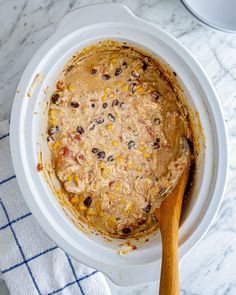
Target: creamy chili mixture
114	131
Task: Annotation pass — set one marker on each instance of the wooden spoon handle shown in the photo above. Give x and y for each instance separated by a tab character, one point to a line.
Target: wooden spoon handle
168	215
169	284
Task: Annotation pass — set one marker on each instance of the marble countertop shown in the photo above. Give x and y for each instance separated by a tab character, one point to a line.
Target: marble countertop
24	25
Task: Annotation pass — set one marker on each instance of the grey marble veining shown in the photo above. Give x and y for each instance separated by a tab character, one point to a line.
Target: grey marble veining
24	25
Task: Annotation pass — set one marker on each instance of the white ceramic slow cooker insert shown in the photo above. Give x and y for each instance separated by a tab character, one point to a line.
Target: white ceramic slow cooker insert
78	29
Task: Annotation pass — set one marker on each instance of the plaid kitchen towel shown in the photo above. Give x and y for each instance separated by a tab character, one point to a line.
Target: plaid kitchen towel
30	262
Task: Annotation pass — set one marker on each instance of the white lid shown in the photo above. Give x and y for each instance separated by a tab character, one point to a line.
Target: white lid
220	14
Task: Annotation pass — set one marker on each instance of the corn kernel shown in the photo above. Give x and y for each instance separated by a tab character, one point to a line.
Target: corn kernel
140	90
139	169
74	200
56	145
111	218
82	207
112	196
137	69
89	162
69	178
122	201
114	55
109	126
98	206
146	155
70	87
114	60
104	97
102	165
118	158
107	90
106	173
130	206
141	148
127	213
118	185
52	122
115	142
101	214
130	165
118	83
111	221
91	212
54	112
76	179
81	144
125	88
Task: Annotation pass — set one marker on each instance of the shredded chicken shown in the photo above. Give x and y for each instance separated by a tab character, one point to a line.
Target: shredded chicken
114	129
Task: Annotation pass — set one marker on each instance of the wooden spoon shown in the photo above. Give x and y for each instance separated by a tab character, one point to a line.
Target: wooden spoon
168	216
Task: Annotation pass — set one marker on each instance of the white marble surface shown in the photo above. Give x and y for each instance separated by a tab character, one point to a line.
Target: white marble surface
24	25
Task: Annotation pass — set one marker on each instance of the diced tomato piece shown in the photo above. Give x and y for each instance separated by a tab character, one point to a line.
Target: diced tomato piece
39	167
77	137
80	159
66	152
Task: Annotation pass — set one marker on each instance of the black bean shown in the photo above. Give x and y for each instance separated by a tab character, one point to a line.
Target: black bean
144	66
118	218
80	129
92	105
106	77
115	102
126	230
104	105
157	121
99	121
135	74
156	95
50	138
131	144
88	201
118	71
158	140
156	146
74	104
52	130
55	98
162	191
110	159
92	126
95	150
147	208
93	72
122	106
124	65
141	222
175	74
133	87
111	117
101	155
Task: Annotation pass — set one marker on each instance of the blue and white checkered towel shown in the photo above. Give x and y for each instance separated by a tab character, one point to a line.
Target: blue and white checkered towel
30	262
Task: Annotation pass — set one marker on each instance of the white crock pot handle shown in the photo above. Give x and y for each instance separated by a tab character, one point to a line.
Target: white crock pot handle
92	15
